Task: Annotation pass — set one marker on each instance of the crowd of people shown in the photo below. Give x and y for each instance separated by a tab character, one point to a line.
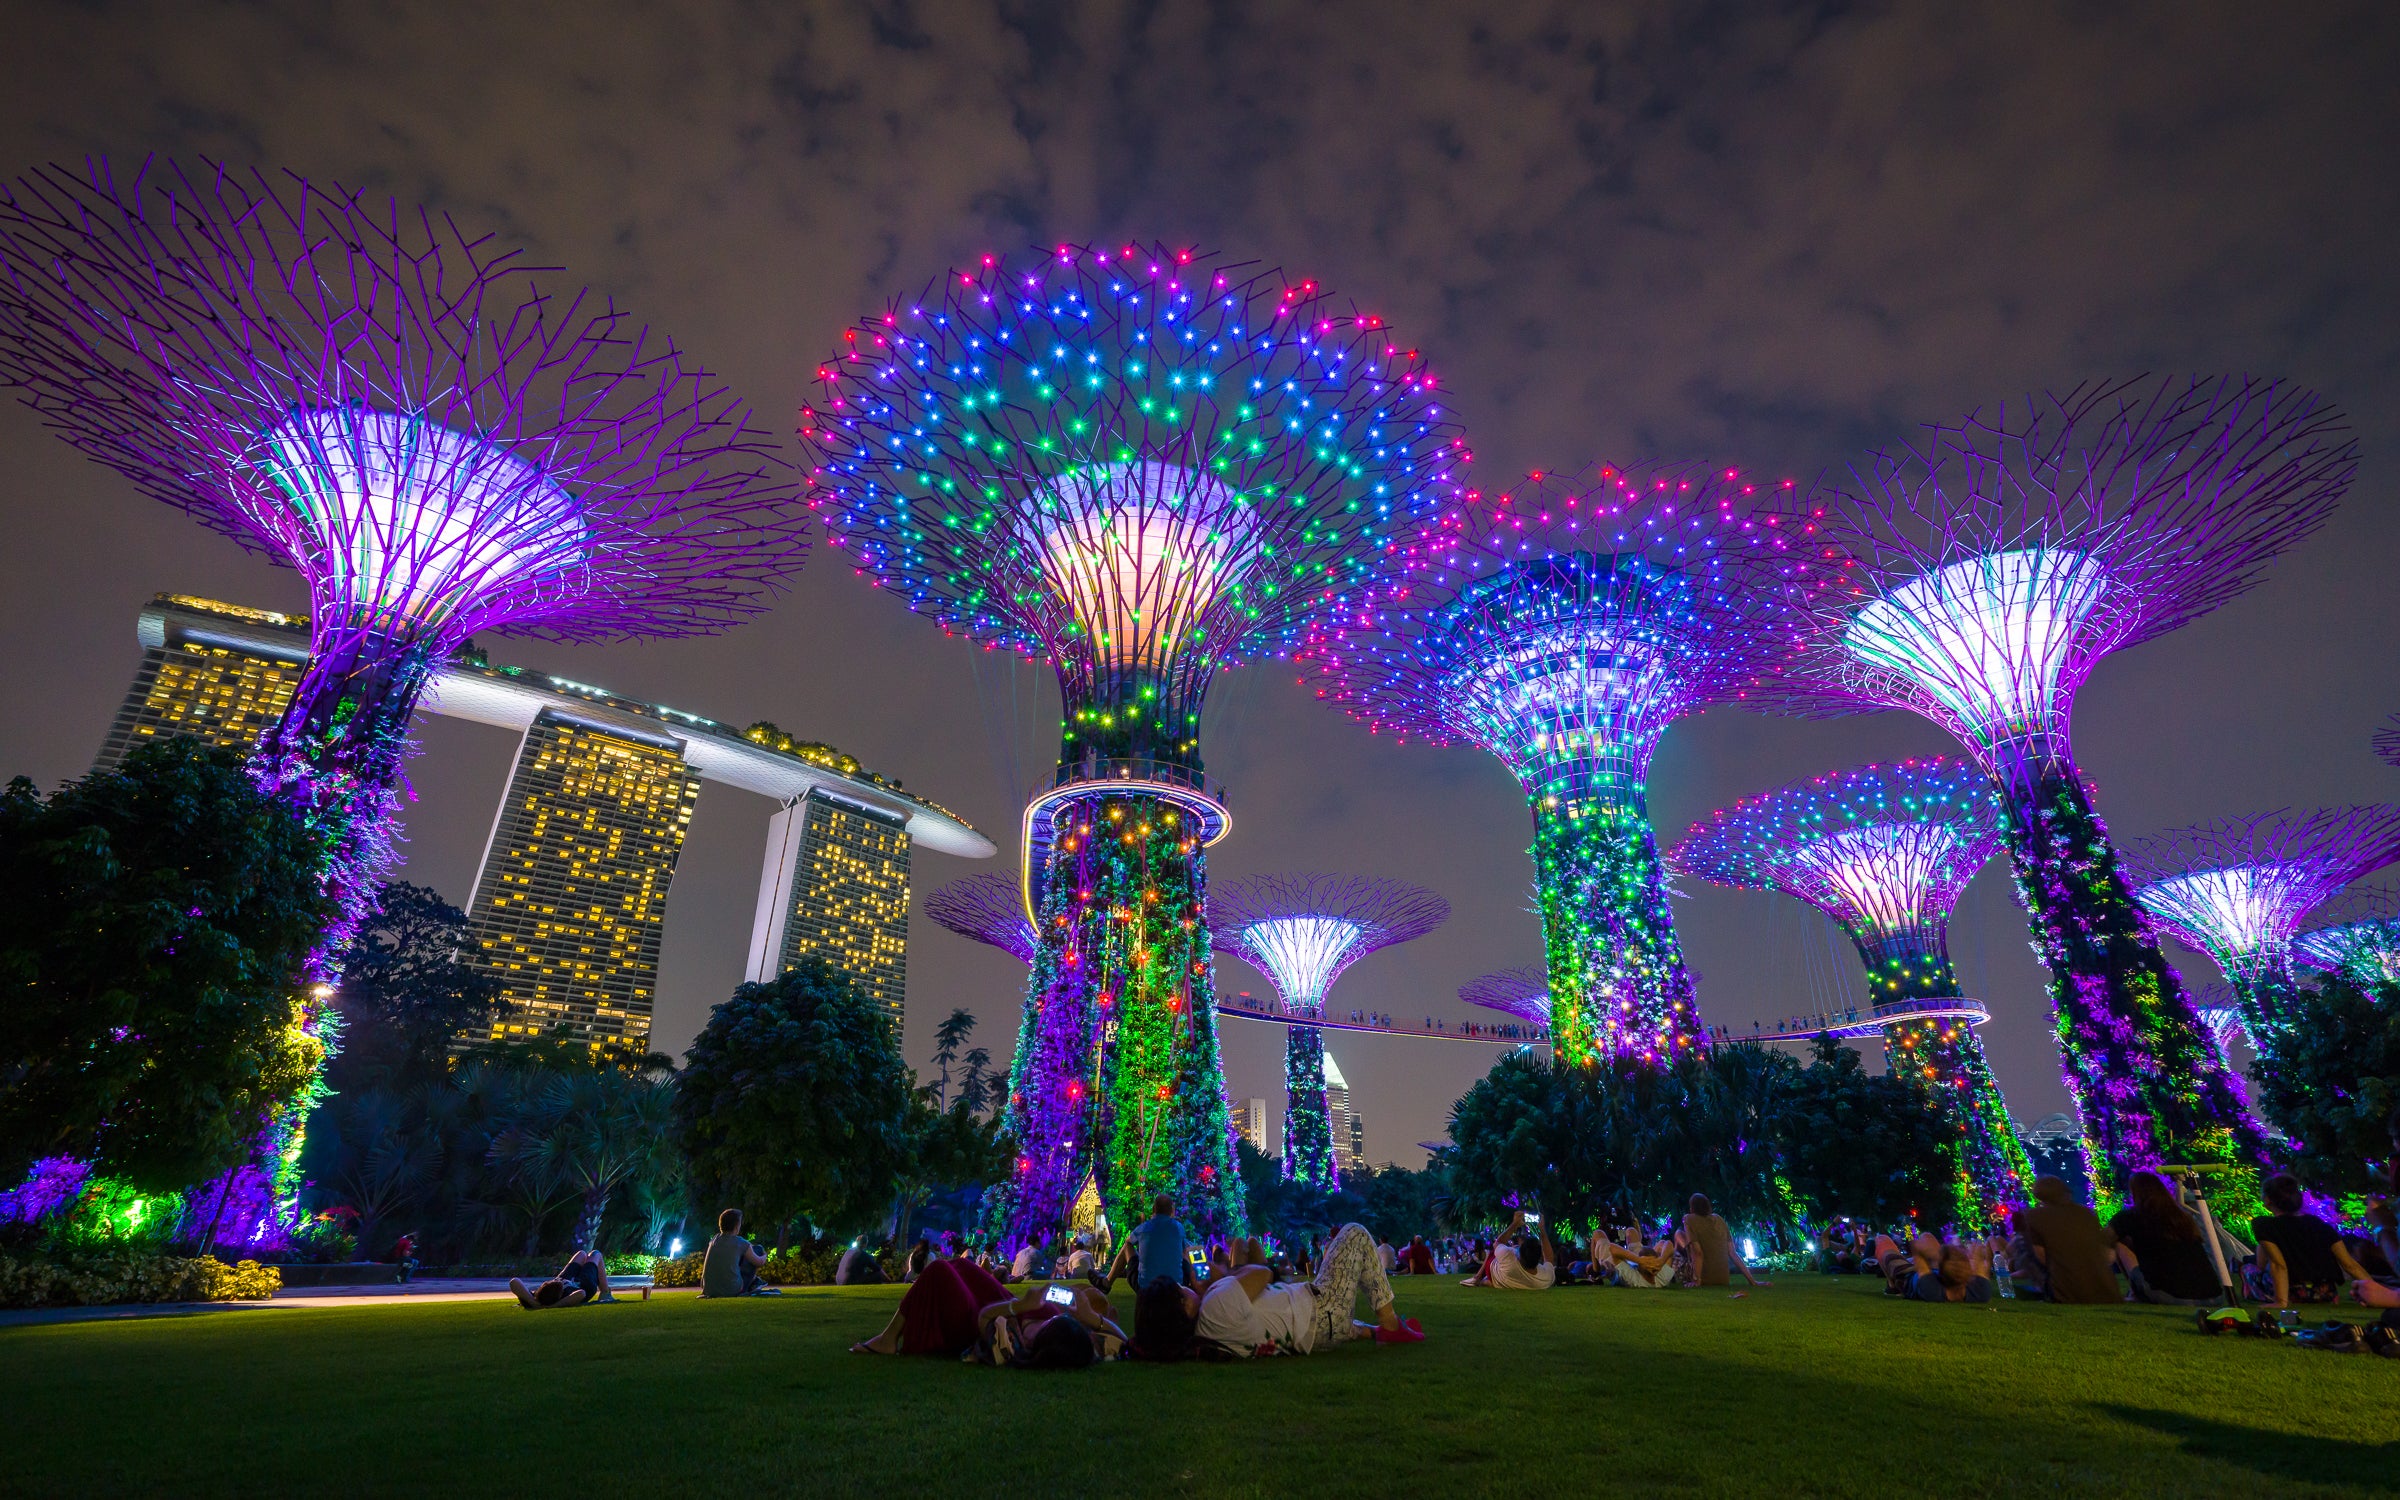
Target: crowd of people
1048	1306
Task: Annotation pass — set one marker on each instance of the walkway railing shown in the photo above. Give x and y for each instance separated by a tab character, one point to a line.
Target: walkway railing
1488	1033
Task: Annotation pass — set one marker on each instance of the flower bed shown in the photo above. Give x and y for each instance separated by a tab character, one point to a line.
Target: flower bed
91	1280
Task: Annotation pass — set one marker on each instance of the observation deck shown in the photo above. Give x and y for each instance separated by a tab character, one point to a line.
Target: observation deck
1180	787
1485	1033
1853	1023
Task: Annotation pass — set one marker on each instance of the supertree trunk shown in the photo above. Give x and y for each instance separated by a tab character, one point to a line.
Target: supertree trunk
1308	1157
1055	1085
2147	1078
1944	1057
1618	981
335	759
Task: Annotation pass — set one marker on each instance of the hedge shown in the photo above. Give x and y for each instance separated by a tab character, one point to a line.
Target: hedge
93	1280
807	1265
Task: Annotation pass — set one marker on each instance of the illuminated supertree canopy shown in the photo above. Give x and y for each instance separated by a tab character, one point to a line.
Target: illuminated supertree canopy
1302	931
407	416
988	908
1522	991
2360	939
1563	625
1885	851
1143	465
1981	572
2239	889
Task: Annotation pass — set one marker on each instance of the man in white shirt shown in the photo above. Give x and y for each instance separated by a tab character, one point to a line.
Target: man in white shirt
1245	1309
1079	1261
1385	1253
1027	1258
1523	1261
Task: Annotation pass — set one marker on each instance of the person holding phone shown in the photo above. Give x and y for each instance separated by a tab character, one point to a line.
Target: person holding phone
957	1306
1524	1261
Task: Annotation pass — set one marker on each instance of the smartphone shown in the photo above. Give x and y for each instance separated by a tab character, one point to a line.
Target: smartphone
1199	1259
1059	1296
1533	1221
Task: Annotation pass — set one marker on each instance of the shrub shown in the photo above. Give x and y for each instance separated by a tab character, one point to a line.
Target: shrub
801	1265
684	1272
92	1280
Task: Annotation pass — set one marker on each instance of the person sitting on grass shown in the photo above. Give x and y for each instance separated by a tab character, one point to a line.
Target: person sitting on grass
1159	1247
1246	1311
2159	1246
920	1255
1649	1268
582	1279
1079	1261
1932	1271
1711	1242
1417	1259
2075	1251
731	1266
957	1306
2300	1257
858	1266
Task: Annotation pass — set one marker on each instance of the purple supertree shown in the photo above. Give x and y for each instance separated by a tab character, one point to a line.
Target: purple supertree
1886	851
1563	626
1144	465
2361	939
1302	931
398	411
1522	991
988	908
2239	889
1987	568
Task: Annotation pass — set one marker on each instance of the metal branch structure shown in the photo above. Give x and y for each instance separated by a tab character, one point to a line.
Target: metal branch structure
1979	574
988	908
1302	931
408	417
1886	850
1563	626
1143	465
2361	941
2387	740
1522	991
2239	889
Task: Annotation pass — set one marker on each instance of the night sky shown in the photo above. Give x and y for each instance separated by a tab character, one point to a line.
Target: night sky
1762	236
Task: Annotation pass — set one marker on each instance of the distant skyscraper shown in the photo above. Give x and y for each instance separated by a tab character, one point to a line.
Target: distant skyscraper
1337	1104
1356	1158
572	897
836	887
1253	1125
216	672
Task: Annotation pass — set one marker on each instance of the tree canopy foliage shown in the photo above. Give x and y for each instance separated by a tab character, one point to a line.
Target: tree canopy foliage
2332	1084
795	1101
154	923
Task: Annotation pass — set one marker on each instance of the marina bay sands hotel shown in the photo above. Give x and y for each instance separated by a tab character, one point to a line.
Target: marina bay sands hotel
571	899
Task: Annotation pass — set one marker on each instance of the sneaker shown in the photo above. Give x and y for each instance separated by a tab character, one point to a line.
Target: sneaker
2380	1339
1407	1333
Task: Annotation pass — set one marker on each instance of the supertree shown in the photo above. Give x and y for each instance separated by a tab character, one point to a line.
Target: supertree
1885	851
1563	626
1302	931
1985	569
1522	991
2362	941
1144	465
403	414
2239	889
988	908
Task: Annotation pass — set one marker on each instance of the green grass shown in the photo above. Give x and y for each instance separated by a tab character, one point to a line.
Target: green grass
1812	1387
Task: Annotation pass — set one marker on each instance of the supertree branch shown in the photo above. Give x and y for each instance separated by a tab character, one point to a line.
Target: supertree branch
1522	991
1142	464
1885	851
405	416
1564	625
988	908
2239	890
2361	941
2387	740
1975	577
1302	931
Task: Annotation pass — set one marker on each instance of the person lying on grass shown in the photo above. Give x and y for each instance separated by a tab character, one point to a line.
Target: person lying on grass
582	1279
1932	1271
1246	1311
956	1306
1649	1267
1523	1261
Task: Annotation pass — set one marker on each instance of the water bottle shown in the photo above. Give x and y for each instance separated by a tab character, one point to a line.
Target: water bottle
2000	1278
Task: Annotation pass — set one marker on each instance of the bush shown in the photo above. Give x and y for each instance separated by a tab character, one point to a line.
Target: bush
94	1280
801	1265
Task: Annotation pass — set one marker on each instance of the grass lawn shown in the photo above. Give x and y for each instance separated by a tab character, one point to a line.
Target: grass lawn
1814	1386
